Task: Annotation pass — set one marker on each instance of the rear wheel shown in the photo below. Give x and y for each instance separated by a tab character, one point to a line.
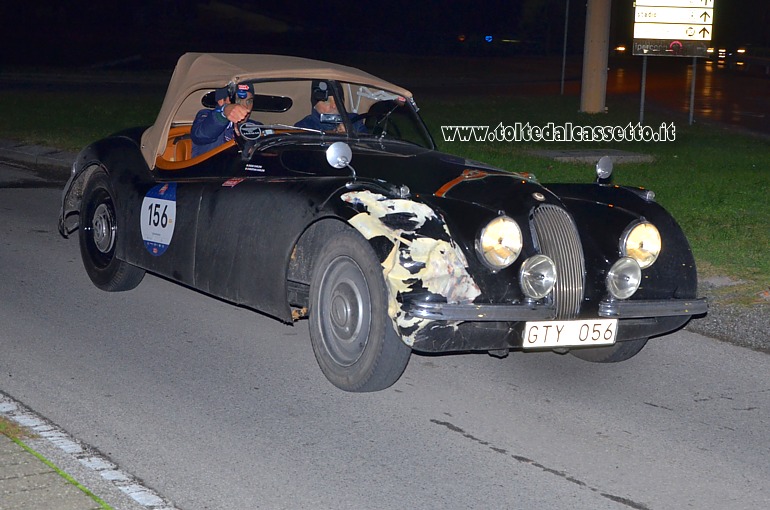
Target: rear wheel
99	234
353	338
621	351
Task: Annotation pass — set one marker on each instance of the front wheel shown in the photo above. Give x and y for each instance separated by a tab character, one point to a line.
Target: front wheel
99	231
353	338
621	351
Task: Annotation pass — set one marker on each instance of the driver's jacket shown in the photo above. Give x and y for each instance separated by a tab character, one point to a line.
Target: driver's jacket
210	129
313	121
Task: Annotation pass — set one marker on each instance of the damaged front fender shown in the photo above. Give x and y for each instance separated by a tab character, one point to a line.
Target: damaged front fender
423	258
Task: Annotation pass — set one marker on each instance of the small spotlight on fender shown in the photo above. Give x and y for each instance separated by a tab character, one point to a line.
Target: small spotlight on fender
604	170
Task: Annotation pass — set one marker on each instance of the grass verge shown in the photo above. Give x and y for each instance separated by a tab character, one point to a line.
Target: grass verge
13	431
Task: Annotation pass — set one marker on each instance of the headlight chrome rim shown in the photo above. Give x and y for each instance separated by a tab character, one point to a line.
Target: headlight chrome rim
500	242
537	276
642	242
624	278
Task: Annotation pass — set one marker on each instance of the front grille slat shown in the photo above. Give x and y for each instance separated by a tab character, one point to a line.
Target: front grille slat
558	238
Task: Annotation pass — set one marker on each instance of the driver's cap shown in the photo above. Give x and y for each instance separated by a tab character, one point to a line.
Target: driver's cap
242	90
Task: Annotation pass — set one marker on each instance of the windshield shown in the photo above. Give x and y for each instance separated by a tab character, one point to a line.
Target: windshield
326	107
382	114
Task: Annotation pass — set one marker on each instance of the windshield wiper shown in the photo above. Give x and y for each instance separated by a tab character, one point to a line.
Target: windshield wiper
384	121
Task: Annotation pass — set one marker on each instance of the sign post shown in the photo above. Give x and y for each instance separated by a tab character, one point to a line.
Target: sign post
564	54
673	28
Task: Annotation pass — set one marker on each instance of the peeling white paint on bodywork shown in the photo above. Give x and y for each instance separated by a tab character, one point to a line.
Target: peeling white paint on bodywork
443	266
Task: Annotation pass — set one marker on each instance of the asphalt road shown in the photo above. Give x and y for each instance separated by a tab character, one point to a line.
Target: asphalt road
216	406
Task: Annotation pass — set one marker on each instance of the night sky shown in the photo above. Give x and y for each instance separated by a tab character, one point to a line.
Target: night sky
84	32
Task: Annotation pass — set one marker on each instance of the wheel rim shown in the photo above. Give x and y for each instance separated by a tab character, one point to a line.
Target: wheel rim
103	228
345	311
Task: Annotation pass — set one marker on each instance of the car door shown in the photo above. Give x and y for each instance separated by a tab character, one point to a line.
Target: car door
249	223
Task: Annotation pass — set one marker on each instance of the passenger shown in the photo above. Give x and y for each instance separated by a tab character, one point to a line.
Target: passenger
325	116
212	128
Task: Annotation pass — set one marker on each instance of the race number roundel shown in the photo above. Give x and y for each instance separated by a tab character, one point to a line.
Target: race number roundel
158	217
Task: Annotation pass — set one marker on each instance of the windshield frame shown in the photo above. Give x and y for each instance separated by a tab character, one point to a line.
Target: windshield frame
357	94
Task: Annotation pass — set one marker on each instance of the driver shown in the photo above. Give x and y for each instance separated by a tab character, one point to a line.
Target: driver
212	128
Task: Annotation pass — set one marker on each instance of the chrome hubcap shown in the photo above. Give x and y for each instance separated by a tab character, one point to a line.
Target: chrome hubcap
103	228
345	311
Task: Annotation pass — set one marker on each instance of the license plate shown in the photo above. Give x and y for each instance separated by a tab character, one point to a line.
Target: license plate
579	333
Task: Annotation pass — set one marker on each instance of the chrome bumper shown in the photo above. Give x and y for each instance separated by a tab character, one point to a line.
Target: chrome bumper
516	313
652	308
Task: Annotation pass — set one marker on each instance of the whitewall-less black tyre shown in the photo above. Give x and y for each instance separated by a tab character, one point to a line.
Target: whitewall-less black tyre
353	338
99	233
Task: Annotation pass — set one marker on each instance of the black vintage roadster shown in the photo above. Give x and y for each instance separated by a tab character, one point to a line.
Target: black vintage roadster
384	244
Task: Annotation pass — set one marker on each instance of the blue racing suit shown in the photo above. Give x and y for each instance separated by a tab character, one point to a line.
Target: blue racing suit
313	121
210	129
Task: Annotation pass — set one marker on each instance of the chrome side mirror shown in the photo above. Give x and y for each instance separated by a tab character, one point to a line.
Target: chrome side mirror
339	155
604	170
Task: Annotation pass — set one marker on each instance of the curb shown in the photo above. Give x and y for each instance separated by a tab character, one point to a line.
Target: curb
76	499
54	470
36	154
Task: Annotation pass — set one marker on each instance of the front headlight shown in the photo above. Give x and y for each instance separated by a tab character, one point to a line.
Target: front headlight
641	241
500	243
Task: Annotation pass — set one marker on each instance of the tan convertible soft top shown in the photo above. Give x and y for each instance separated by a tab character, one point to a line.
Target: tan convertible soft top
202	72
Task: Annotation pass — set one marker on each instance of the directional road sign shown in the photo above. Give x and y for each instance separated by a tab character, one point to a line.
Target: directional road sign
679	28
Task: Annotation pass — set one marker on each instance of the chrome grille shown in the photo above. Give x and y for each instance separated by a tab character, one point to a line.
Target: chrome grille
558	238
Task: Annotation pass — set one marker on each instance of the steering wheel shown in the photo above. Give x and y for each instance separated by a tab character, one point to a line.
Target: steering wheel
247	134
382	122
